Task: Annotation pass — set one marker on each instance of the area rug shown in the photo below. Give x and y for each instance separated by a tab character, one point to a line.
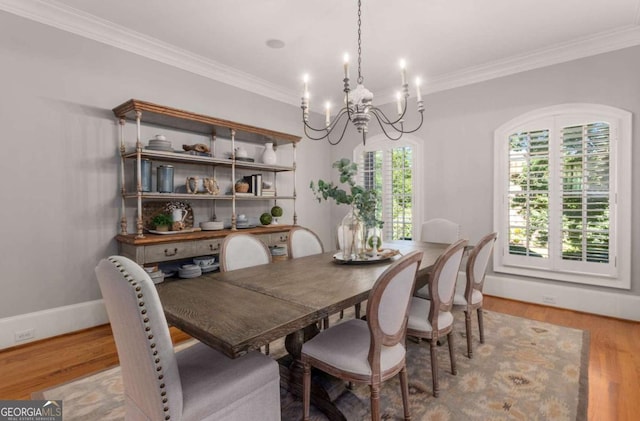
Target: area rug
526	370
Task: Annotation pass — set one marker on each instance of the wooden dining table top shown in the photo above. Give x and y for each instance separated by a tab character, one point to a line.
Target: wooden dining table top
241	310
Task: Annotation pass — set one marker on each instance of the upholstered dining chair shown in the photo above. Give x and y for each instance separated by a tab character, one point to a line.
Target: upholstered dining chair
472	299
198	383
440	230
437	230
370	351
303	242
240	250
432	319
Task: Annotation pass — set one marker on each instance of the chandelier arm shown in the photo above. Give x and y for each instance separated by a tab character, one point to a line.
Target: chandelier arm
384	130
327	131
383	118
387	120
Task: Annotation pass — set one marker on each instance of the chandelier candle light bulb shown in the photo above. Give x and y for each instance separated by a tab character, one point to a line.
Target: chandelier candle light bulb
399	102
346	66
419	94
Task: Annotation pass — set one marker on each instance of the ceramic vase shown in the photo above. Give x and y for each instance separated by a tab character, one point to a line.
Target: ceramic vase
269	155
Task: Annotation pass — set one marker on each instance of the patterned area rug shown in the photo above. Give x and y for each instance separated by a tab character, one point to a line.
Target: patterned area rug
526	370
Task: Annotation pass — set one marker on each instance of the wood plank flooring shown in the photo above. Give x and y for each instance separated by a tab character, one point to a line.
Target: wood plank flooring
614	364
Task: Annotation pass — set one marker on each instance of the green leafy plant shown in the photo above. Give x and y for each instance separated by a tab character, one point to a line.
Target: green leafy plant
364	201
161	219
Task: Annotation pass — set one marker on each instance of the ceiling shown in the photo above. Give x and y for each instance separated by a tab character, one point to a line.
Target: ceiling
447	43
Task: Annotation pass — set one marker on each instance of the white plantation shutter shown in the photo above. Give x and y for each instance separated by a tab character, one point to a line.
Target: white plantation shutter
585	194
388	168
559	208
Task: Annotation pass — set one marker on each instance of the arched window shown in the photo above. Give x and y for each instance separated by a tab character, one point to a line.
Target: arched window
390	167
562	195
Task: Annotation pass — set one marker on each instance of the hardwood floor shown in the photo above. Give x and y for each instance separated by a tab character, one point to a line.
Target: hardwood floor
614	363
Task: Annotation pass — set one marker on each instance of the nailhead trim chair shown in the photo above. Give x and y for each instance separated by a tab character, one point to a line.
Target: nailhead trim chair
433	319
198	383
370	351
472	299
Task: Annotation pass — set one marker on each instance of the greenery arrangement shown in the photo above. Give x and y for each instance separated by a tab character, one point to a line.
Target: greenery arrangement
162	219
365	202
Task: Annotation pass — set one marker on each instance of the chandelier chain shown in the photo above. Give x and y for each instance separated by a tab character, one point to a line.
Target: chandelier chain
360	78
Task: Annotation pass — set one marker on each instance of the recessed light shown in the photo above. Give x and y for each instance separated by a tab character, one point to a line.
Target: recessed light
275	43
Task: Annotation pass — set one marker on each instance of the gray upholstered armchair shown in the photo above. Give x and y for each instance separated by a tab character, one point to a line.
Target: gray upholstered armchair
198	383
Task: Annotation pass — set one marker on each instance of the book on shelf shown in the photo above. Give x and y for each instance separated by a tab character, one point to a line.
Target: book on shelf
268	192
255	184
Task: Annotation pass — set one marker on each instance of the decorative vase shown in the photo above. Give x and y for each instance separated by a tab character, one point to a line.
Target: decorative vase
373	239
269	155
350	236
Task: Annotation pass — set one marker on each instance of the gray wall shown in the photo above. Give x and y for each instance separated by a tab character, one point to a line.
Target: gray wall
459	128
59	170
59	178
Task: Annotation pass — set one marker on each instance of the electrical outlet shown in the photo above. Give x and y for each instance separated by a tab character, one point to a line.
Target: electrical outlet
548	299
24	335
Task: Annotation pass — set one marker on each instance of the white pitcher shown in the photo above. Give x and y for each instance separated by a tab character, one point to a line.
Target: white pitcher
178	215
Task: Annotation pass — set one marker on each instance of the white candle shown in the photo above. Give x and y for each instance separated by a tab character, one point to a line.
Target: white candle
419	94
346	66
398	96
328	113
403	72
305	92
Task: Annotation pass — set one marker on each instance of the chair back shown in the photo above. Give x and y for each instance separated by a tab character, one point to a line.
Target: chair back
442	280
388	304
150	375
303	242
439	230
477	264
240	250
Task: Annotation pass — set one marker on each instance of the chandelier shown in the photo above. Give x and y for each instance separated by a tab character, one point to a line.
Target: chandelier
359	106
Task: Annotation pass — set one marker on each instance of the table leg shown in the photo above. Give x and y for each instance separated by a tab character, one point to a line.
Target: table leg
325	389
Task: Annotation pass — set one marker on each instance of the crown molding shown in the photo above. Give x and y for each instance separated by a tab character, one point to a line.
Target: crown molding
68	19
72	20
600	43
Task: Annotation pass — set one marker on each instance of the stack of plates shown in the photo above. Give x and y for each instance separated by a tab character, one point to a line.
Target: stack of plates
189	271
157	276
160	144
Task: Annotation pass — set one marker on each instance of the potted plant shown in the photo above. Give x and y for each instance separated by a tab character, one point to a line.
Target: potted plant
162	221
362	219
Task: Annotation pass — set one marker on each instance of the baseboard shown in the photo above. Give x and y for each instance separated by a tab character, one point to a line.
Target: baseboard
572	297
52	322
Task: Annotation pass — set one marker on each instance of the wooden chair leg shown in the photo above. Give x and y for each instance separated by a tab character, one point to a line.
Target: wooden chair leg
452	354
434	365
325	323
358	308
266	349
481	325
341	314
306	390
404	385
467	322
375	402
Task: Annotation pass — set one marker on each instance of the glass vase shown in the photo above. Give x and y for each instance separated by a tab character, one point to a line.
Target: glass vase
350	236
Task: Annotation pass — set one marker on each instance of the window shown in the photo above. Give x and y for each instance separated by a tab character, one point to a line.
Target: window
563	195
389	167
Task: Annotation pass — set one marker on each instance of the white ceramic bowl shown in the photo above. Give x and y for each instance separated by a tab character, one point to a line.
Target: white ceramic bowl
204	260
212	225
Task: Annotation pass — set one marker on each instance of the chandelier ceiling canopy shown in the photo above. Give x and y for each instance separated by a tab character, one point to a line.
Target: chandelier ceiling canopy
358	105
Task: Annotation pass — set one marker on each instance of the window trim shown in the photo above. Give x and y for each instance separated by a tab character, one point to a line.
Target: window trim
381	142
620	157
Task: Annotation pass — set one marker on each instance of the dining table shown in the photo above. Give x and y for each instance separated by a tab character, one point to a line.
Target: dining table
239	311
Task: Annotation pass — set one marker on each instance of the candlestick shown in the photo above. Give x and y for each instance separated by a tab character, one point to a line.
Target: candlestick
346	66
419	94
398	97
403	72
328	113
